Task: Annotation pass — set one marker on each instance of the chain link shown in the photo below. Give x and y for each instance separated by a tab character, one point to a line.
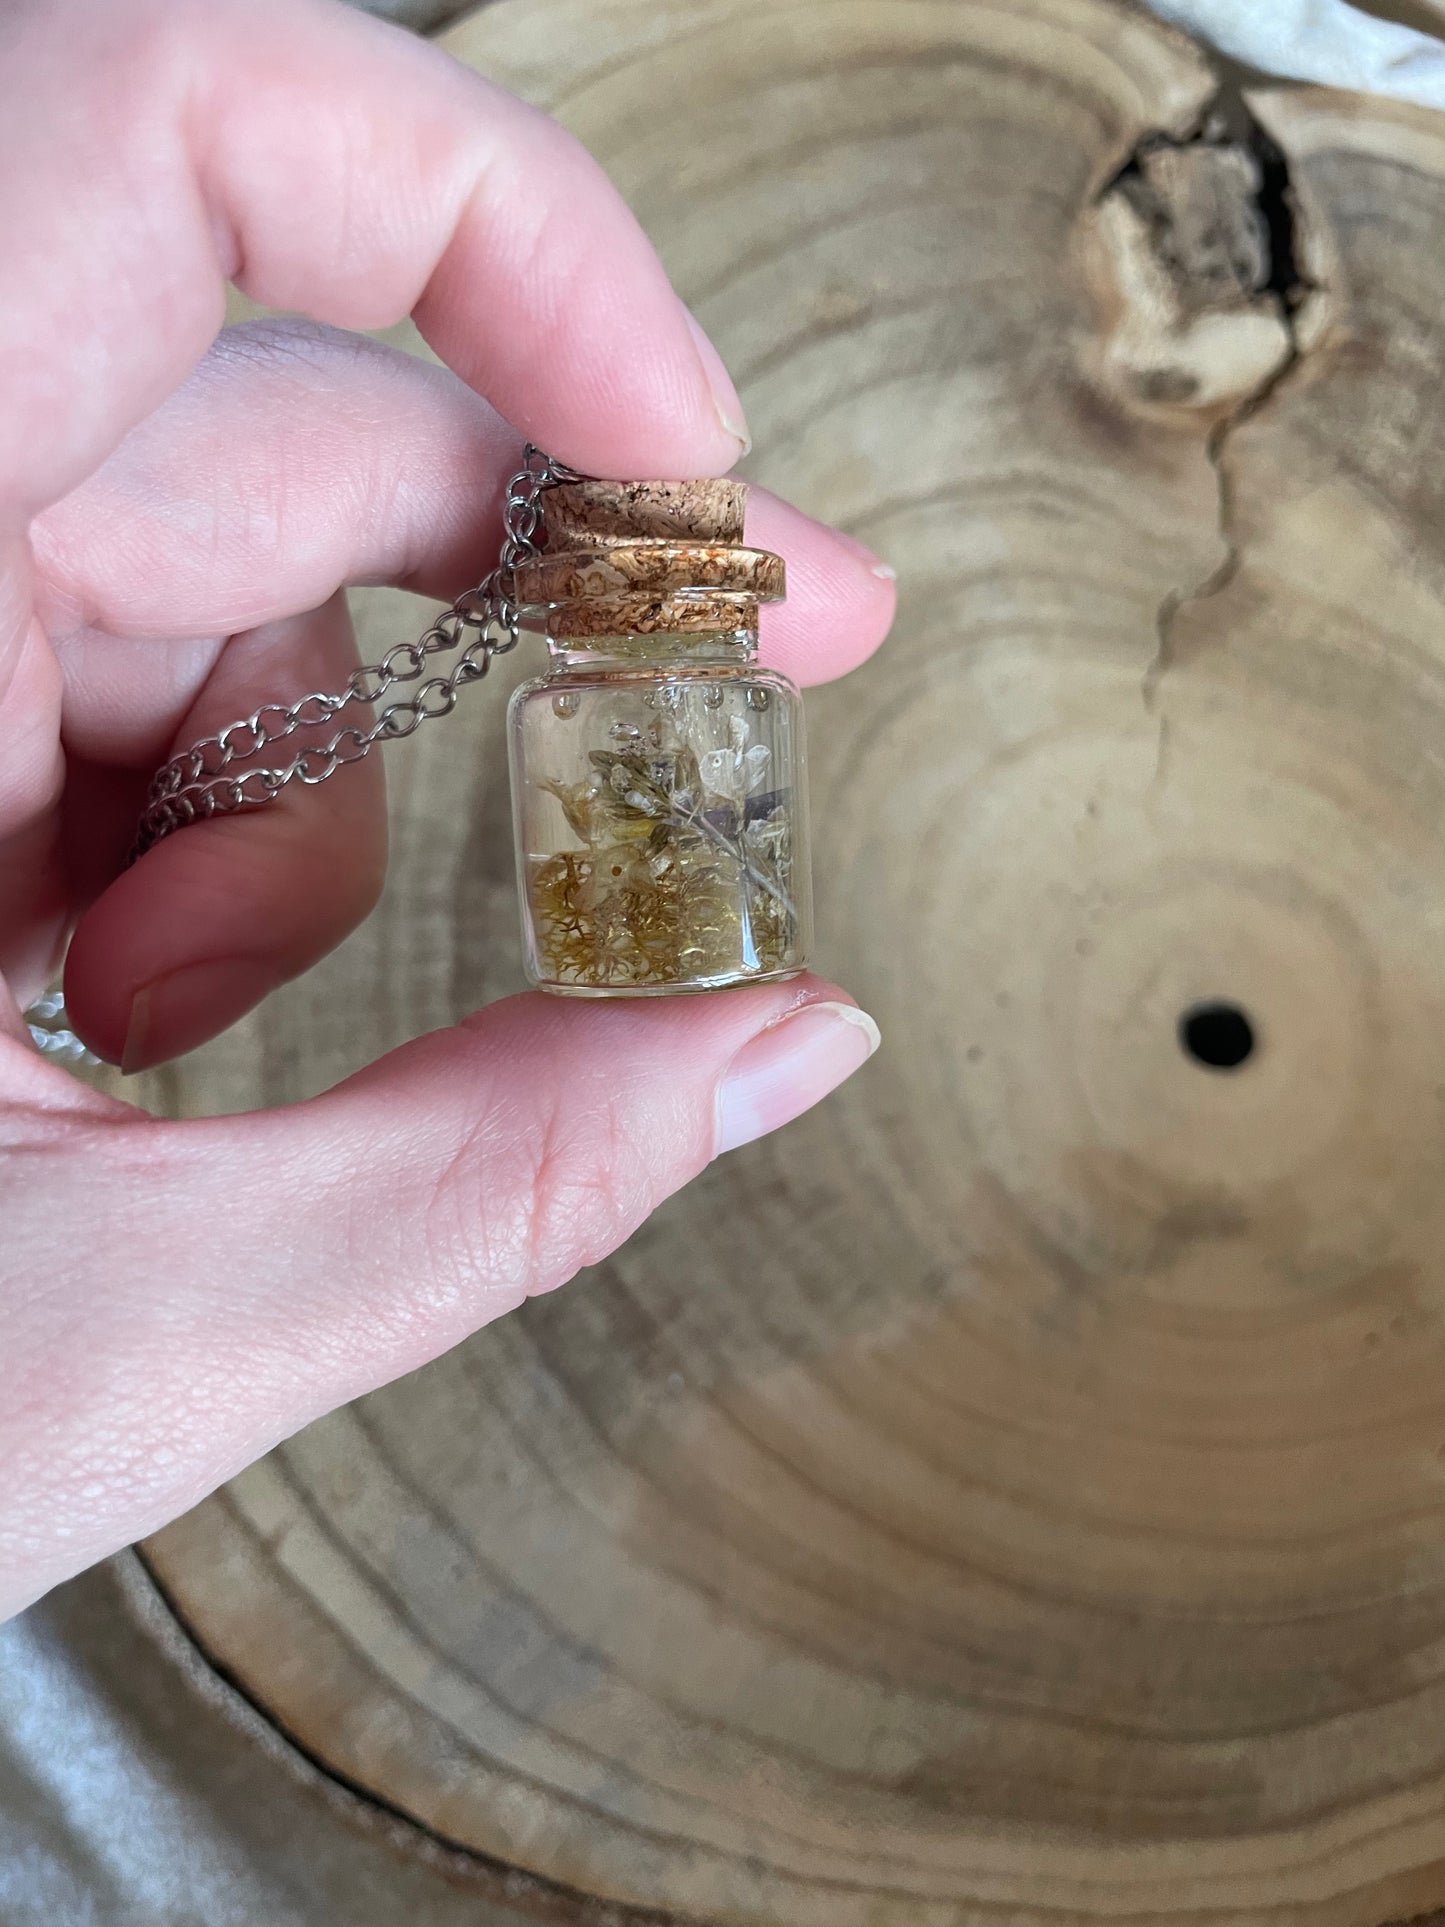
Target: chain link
202	781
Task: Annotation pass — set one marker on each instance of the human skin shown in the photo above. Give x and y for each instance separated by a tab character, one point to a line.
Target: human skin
179	514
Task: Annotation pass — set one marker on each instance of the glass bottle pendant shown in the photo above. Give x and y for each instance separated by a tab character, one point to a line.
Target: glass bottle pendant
658	782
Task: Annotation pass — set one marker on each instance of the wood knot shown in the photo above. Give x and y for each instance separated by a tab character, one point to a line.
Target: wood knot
1181	251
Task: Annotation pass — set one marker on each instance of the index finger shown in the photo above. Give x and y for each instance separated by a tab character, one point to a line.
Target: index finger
328	163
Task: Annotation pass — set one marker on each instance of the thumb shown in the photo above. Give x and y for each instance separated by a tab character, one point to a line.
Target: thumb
482	1165
230	1279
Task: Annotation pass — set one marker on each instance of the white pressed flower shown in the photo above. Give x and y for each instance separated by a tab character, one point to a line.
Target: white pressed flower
731	775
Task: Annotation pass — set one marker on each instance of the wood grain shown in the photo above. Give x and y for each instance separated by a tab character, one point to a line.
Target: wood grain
1019	1489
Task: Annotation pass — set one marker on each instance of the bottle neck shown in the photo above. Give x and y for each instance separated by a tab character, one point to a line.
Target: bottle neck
669	648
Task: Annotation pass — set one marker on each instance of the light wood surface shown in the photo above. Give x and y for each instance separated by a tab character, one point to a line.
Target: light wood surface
1019	1489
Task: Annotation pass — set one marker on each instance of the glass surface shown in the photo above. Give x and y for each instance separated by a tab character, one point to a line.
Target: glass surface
661	819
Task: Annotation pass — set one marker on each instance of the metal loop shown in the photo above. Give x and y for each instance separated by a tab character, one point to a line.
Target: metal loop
281	727
411	655
476	609
434	699
402	719
241	739
313	710
314	764
252	787
367	684
358	745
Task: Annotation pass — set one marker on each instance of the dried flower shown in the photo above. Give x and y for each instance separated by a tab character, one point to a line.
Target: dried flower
684	871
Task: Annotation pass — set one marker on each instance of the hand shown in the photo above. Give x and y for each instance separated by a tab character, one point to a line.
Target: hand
178	516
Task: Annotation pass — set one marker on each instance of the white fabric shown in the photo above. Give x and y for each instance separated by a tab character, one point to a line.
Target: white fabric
94	1832
1325	41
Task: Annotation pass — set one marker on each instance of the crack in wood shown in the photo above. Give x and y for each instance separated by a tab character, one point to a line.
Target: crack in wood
1255	251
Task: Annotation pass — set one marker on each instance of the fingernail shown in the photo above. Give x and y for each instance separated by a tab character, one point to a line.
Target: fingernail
720	384
177	1012
788	1067
865	555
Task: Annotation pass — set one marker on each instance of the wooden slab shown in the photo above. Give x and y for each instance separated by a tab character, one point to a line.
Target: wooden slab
1019	1489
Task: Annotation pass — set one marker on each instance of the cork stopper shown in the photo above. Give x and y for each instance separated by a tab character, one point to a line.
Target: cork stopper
645	558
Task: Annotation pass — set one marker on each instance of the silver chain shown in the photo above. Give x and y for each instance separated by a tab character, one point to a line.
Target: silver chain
201	782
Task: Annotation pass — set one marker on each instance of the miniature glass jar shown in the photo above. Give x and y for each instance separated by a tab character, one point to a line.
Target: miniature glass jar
658	779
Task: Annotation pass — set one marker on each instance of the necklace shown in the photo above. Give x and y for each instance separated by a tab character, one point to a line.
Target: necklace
657	769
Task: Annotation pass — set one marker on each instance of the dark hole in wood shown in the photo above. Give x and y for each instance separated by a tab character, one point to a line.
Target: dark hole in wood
1217	1035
